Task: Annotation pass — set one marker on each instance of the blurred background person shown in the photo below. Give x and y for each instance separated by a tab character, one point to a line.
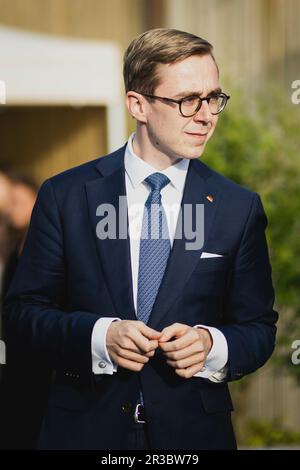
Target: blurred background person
6	243
21	196
22	377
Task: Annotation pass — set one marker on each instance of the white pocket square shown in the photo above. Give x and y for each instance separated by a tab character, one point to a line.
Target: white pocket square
204	254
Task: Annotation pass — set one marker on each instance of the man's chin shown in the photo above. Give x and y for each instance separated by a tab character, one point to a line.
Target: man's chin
194	153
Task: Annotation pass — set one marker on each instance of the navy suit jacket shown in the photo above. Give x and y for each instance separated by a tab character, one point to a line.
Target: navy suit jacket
68	278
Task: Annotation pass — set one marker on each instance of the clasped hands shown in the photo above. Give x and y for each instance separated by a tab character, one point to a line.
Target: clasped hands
130	344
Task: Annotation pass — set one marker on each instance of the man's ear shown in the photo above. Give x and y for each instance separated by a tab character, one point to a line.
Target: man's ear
137	106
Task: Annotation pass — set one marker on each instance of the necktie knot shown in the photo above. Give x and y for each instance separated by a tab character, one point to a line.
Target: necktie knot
157	181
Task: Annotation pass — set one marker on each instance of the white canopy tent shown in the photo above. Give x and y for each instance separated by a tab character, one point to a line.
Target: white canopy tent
41	70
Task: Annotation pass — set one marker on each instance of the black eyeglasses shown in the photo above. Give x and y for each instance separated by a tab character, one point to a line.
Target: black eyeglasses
190	105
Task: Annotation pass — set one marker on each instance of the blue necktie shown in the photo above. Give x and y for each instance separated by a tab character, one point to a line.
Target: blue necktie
154	247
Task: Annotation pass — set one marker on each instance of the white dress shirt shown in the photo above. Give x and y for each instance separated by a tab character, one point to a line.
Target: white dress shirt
137	192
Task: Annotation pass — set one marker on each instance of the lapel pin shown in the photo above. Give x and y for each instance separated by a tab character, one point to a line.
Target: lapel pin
210	198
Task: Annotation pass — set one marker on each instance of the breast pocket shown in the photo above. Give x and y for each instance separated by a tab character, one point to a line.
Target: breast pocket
217	263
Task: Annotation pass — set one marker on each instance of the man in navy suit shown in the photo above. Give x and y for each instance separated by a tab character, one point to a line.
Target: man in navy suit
142	334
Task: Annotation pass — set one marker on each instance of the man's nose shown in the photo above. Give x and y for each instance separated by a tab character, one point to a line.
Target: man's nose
204	113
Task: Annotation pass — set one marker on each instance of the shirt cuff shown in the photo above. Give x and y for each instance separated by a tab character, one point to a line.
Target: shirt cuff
215	367
101	362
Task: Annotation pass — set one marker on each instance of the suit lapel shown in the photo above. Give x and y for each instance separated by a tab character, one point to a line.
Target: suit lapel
114	253
182	262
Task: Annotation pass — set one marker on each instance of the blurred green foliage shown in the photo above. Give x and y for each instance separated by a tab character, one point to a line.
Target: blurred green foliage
270	434
257	144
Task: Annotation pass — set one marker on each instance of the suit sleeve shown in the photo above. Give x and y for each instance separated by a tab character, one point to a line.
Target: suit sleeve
36	309
249	325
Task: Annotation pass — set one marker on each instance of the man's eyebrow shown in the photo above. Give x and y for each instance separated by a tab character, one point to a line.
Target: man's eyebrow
192	93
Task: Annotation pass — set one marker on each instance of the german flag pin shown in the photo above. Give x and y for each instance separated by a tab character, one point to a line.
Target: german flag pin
210	198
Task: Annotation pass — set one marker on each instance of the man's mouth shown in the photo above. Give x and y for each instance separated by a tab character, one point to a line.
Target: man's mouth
197	134
198	138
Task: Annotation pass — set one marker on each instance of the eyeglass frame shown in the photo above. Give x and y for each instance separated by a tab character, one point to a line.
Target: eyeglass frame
179	102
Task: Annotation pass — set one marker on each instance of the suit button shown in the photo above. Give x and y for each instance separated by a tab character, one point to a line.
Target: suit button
127	407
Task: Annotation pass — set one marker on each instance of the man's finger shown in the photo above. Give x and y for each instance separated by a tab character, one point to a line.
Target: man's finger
192	360
184	341
141	342
152	346
150	333
190	371
173	330
183	353
132	356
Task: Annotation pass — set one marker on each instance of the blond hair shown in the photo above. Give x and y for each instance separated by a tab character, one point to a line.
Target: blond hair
155	47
